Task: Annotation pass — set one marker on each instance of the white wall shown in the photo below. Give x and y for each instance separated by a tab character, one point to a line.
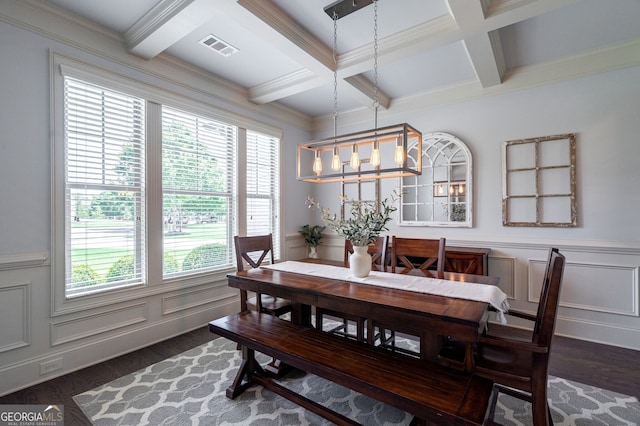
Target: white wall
601	110
600	298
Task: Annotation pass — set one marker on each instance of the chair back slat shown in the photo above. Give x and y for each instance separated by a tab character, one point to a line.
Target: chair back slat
549	299
408	251
253	250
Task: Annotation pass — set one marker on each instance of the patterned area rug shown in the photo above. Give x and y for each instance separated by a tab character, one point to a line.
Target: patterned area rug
189	389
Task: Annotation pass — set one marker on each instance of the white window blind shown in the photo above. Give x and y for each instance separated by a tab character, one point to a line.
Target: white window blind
198	180
104	188
263	187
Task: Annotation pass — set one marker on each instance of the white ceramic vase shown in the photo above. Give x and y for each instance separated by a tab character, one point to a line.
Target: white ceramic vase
313	253
360	261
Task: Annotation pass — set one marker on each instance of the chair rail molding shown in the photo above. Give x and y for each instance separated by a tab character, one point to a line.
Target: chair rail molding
24	260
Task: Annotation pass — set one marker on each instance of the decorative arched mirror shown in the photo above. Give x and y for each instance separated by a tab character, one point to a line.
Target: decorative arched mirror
442	194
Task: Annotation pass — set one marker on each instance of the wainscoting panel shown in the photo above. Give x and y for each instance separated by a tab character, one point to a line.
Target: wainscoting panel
209	295
98	323
505	268
15	315
604	288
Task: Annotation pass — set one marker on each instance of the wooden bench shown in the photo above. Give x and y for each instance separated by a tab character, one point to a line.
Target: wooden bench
428	391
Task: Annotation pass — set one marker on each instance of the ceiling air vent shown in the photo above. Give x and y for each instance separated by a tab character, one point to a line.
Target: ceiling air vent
220	46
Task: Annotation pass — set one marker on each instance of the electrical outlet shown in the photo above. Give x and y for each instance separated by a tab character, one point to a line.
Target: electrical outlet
50	366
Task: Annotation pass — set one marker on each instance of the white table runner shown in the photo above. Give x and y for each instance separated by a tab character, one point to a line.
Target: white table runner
461	290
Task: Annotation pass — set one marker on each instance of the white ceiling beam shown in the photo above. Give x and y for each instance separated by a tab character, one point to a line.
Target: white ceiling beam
483	49
368	93
294	40
486	57
165	24
282	32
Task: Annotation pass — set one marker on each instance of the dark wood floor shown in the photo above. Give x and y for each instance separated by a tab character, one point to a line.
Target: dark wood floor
603	366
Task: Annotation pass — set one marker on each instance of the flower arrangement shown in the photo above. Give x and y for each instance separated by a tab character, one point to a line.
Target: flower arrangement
312	234
366	222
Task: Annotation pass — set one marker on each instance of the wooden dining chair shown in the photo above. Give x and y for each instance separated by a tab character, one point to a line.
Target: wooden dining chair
408	254
464	263
417	253
378	251
519	367
254	250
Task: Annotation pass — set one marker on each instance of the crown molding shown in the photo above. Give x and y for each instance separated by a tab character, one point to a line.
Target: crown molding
287	85
435	33
501	13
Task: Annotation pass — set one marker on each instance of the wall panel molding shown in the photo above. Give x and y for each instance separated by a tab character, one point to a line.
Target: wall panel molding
185	300
505	268
98	323
607	288
15	316
577	246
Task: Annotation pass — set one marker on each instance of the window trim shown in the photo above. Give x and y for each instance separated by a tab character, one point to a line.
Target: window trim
61	66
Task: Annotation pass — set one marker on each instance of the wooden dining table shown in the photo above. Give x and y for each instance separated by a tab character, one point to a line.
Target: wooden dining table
458	318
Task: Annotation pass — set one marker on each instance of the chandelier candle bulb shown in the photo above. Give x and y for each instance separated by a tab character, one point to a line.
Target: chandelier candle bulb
399	152
336	163
355	158
317	164
375	155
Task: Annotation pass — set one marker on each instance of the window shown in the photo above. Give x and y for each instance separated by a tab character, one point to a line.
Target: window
198	183
150	187
263	187
104	194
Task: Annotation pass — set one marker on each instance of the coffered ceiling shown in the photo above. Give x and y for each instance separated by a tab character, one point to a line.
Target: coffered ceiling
430	52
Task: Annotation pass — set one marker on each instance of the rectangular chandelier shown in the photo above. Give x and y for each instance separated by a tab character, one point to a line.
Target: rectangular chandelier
371	154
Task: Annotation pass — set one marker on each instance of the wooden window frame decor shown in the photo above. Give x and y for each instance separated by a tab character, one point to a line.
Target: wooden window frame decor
539	182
